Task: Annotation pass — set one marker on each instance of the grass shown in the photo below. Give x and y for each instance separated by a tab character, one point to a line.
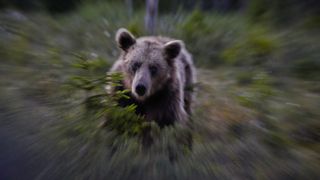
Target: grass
256	114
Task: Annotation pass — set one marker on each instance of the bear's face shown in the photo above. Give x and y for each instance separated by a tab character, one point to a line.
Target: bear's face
147	64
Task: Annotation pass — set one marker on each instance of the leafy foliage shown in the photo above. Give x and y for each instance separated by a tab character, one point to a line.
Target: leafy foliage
103	103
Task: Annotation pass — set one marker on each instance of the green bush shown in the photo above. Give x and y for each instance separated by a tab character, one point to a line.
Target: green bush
98	101
260	90
306	69
258	10
255	48
282	12
190	28
245	77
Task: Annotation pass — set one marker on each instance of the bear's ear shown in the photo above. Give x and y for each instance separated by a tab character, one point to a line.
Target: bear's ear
125	39
172	49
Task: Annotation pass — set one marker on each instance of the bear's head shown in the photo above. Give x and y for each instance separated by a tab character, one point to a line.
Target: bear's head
148	63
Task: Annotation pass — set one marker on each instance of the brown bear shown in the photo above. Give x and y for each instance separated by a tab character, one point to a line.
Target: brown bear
159	73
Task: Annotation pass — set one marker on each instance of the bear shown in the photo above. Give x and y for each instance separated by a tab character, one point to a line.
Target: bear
160	74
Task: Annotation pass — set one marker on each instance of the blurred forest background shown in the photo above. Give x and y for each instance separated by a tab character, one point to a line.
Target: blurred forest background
258	96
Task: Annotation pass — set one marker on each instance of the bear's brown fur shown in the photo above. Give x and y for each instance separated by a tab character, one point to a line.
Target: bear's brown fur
159	71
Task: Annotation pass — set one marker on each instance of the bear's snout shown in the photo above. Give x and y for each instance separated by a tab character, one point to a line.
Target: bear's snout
140	89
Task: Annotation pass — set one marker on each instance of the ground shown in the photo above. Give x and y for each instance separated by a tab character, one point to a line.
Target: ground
228	141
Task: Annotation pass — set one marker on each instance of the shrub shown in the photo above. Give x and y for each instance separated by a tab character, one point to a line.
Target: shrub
256	48
104	104
245	77
306	68
259	91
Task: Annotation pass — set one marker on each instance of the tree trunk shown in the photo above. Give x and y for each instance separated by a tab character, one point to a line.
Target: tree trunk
151	15
130	8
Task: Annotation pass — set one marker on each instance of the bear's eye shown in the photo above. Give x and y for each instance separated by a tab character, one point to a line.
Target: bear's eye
136	66
153	70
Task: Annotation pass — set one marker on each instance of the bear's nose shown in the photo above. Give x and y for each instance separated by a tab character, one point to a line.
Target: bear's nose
140	90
